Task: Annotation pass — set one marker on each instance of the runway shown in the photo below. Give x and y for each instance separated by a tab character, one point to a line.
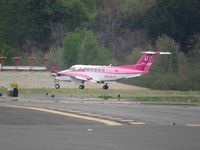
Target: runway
41	124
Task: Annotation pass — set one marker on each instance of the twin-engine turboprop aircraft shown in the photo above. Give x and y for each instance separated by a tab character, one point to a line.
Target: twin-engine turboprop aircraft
105	74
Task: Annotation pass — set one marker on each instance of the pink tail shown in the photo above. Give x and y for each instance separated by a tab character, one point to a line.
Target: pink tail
145	62
53	69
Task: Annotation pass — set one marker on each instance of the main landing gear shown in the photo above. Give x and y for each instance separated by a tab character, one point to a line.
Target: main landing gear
105	87
82	86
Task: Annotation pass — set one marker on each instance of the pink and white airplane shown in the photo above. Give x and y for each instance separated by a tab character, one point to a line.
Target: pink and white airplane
105	74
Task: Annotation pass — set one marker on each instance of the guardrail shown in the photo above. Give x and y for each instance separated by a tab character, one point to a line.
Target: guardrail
23	68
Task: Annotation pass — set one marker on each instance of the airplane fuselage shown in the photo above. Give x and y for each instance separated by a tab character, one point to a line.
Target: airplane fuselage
98	73
104	74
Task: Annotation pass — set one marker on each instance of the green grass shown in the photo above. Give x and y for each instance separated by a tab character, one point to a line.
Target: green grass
182	99
135	95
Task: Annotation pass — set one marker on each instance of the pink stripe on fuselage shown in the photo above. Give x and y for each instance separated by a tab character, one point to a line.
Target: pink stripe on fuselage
106	70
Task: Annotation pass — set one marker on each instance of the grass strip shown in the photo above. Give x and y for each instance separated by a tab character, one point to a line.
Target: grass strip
135	95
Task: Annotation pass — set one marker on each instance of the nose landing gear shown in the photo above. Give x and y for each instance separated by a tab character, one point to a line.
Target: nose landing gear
56	83
57	86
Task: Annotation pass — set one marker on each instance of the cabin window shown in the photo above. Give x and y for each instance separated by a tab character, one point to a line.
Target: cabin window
72	69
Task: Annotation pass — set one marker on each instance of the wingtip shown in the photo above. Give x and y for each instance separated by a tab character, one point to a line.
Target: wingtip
154	53
165	53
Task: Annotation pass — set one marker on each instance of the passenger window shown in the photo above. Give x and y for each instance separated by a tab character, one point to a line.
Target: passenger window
72	69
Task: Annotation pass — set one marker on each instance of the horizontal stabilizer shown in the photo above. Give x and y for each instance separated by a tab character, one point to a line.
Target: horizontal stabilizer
155	53
165	53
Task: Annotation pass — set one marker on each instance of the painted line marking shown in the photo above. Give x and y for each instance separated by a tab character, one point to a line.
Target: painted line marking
137	123
75	111
85	113
107	122
116	118
193	125
96	115
127	120
110	117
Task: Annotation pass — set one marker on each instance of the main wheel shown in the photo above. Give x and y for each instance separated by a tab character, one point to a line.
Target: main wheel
57	86
81	86
105	87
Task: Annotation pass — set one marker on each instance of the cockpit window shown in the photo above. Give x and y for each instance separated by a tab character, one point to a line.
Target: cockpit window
72	69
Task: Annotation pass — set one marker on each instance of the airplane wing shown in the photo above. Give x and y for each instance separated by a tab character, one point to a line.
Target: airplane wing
76	76
82	77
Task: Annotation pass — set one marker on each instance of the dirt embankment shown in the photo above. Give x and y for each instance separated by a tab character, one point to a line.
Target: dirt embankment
35	79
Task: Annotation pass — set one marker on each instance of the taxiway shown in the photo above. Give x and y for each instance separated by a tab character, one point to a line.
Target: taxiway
49	123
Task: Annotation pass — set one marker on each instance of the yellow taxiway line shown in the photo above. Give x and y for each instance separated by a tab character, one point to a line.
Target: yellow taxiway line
105	121
193	125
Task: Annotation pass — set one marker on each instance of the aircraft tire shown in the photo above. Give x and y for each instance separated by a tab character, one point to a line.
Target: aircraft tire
57	86
81	87
105	87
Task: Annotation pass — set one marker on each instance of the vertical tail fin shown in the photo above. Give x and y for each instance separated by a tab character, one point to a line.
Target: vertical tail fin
53	71
145	62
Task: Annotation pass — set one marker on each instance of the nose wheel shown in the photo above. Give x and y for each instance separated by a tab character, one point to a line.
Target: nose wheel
105	87
57	86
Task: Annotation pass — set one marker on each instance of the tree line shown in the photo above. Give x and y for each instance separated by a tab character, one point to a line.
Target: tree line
104	32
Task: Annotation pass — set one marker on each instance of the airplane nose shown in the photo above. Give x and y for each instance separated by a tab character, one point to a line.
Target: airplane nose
53	74
59	74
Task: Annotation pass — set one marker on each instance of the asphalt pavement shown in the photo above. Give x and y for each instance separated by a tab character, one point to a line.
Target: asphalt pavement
46	123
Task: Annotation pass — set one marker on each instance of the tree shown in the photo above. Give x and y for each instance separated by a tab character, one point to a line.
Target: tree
29	24
113	29
81	47
167	63
179	19
194	46
7	51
